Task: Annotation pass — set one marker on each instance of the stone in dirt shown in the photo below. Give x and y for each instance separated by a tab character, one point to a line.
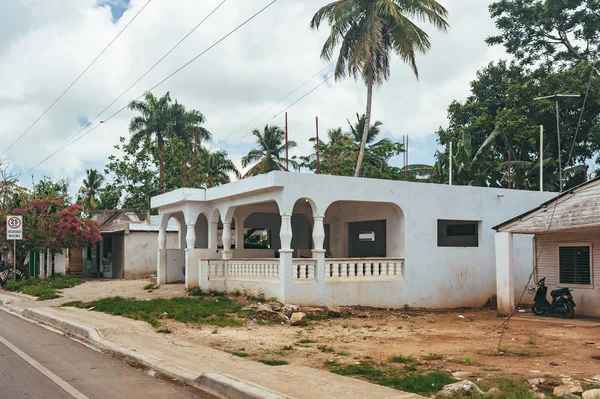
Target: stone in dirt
252	308
591	394
570	396
464	386
288	309
493	391
535	381
264	312
538	395
313	311
298	319
334	311
563	389
276	306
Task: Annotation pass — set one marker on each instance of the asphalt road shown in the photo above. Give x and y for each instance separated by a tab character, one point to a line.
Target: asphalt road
37	363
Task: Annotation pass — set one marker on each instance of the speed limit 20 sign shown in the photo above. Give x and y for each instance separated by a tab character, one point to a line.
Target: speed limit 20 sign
14	227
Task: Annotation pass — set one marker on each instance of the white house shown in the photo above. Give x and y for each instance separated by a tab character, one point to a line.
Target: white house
332	240
566	244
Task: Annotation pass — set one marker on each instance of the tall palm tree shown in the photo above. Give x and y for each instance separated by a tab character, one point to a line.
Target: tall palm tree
367	32
267	155
155	123
90	190
218	166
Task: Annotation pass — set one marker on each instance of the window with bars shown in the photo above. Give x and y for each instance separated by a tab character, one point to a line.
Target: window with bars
574	265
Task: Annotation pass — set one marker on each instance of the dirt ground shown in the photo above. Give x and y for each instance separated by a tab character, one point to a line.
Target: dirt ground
549	348
533	347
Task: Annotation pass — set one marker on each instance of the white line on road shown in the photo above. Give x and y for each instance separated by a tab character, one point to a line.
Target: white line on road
53	377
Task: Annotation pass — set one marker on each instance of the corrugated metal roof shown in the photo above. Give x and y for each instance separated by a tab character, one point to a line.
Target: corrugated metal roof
573	209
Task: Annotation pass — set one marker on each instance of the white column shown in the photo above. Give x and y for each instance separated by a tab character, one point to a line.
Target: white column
318	253
239	232
190	237
213	229
505	273
227	240
162	237
285	258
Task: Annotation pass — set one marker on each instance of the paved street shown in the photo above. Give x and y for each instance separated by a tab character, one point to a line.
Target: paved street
67	369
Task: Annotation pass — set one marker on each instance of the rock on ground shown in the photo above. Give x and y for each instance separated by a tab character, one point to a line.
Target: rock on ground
464	386
288	309
493	391
313	311
264	312
275	306
591	394
298	319
563	389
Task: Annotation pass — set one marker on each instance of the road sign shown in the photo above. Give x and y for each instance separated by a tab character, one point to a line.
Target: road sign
14	227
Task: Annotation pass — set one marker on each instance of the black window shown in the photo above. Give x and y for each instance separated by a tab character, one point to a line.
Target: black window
458	233
107	247
574	265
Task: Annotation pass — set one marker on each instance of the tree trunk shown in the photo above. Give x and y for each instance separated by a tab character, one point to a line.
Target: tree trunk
210	180
161	163
331	172
185	159
194	160
363	143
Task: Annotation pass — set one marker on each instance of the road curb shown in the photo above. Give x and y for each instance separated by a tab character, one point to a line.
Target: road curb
218	385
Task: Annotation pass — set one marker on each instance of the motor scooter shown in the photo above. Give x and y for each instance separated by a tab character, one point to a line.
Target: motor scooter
562	301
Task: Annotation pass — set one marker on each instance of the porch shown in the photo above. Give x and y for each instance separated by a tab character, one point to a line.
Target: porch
306	250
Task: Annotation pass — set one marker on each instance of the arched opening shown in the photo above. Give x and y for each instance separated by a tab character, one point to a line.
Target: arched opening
302	228
172	260
176	224
201	230
362	229
258	233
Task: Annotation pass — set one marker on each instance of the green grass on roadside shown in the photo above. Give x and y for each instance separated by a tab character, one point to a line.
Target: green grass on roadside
272	362
409	378
44	289
220	313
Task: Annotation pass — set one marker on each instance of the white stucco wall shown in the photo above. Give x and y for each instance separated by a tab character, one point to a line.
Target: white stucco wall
434	276
140	252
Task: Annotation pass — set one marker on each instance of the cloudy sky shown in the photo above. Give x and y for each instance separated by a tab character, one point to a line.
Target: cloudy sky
45	44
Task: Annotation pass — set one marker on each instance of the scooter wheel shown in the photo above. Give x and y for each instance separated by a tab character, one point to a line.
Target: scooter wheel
569	311
537	310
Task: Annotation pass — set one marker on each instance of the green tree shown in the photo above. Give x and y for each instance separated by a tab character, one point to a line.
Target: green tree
218	167
501	100
53	189
268	154
335	148
156	122
109	197
90	190
550	31
367	31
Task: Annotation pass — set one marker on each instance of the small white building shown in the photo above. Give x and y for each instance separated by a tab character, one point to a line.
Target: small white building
566	238
331	240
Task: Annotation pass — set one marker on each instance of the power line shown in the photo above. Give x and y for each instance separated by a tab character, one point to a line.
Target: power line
587	91
277	103
67	144
76	80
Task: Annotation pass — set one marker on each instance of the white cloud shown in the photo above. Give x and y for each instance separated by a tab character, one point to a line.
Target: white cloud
45	44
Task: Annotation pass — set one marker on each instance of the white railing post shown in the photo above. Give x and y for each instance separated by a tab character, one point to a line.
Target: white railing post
227	253
285	257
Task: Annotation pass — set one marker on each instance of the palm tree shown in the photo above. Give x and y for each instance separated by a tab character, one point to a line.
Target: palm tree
367	32
218	167
156	123
90	190
338	141
268	153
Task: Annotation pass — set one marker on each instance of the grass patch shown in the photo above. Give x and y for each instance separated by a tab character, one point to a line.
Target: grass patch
239	354
434	356
331	363
362	369
203	311
44	289
325	349
419	383
306	342
150	287
341	353
196	291
273	362
508	351
402	359
164	331
288	348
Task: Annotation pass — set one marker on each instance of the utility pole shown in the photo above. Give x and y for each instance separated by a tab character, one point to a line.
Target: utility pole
287	169
541	157
450	162
555	97
318	171
509	182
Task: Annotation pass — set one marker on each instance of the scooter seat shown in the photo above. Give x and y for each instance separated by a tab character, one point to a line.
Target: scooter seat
558	292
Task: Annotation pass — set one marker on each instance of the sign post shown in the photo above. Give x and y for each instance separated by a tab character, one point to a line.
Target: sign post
14	231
